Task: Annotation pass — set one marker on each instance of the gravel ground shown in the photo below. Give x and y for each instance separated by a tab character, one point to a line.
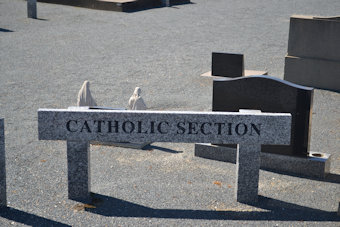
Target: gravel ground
44	62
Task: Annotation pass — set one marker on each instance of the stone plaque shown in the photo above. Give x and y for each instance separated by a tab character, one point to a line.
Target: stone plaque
227	65
272	95
163	126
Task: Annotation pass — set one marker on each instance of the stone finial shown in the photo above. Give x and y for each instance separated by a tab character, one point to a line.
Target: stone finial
136	102
84	96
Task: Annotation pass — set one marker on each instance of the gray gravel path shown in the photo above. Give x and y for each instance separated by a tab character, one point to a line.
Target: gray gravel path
44	62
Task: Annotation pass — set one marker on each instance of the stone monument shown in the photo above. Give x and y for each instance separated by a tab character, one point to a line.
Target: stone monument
269	94
313	57
229	65
248	130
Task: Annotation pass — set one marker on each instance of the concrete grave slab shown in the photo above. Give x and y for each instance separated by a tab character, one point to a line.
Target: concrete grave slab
316	164
118	5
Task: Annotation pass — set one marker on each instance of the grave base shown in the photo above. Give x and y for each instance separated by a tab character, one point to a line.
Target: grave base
246	73
312	166
116	5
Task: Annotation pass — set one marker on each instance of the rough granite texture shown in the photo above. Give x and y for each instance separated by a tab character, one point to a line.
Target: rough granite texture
247	172
310	166
78	169
54	125
3	196
83	126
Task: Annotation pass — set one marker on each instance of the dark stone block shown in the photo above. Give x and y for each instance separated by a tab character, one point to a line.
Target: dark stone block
273	95
3	196
228	65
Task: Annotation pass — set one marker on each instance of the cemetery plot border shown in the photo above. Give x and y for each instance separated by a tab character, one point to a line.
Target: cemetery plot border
80	127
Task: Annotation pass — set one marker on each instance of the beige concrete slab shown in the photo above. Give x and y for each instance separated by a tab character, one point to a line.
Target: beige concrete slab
247	72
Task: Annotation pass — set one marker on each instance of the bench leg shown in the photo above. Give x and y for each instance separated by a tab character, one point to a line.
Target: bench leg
3	200
247	172
78	164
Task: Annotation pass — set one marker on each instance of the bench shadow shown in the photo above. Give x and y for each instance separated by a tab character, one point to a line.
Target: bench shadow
330	177
172	6
153	147
42	19
277	210
5	30
27	218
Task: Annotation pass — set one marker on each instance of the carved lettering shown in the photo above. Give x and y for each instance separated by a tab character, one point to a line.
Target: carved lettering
68	127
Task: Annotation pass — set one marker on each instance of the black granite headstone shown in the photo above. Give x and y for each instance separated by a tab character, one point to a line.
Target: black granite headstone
227	65
269	94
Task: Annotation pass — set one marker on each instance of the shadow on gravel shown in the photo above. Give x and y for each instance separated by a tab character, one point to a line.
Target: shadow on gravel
277	210
26	218
172	6
42	19
331	177
152	147
5	30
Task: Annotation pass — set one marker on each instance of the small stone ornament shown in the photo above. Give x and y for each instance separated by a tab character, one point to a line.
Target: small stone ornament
84	96
136	102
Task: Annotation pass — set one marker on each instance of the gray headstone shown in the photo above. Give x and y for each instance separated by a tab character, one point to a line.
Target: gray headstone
227	65
313	72
314	37
271	95
79	127
32	9
313	57
3	199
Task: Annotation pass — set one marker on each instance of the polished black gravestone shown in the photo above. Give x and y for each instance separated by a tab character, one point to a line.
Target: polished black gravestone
227	65
273	95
